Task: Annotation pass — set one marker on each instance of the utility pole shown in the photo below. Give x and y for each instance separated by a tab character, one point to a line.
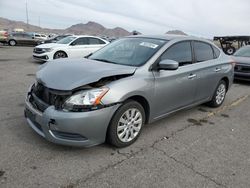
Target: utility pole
27	15
39	21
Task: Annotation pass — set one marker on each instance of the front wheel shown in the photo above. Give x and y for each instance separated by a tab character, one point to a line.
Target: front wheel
126	125
12	43
219	95
60	54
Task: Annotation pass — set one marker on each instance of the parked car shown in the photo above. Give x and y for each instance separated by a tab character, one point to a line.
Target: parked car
22	38
3	36
72	47
242	60
40	36
119	88
55	39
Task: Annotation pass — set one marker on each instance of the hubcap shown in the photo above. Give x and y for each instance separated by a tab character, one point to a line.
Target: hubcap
129	125
12	43
230	51
220	94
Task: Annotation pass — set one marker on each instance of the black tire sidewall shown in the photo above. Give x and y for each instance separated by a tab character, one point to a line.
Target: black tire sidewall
112	136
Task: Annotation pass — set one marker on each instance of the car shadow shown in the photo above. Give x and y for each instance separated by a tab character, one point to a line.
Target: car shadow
242	82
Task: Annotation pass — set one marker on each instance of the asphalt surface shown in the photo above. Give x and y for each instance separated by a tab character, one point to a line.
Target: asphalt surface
199	147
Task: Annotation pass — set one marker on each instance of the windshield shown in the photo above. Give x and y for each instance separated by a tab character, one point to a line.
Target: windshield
243	52
66	40
129	51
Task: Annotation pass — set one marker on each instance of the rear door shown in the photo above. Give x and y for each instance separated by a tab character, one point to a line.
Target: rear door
207	70
94	45
175	89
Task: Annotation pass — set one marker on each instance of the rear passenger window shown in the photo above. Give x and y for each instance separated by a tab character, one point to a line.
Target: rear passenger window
180	52
216	52
203	51
95	41
81	41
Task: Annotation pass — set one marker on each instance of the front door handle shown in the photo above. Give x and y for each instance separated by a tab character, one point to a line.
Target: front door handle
191	76
217	69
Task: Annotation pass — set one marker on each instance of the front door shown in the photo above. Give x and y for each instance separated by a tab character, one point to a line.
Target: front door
175	89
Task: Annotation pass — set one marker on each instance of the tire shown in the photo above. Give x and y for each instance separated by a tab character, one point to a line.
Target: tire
129	129
12	42
60	54
230	50
219	95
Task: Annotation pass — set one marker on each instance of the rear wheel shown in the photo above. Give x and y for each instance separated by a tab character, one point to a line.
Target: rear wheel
230	50
126	125
60	54
219	95
12	42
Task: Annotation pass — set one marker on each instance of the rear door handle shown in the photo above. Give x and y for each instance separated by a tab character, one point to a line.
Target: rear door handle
191	76
217	69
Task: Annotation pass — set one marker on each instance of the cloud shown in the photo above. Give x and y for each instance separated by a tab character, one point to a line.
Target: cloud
203	17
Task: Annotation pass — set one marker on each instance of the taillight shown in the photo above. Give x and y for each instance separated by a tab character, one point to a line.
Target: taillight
233	63
5	34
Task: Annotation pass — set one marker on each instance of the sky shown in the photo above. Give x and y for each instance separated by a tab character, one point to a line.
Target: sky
204	18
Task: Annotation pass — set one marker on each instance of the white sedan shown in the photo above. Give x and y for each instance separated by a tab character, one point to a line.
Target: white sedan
71	47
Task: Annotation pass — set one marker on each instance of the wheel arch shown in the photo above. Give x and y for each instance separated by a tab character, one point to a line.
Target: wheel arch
60	51
145	104
227	82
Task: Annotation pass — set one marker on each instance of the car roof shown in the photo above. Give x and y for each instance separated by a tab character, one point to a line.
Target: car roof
163	37
169	37
84	36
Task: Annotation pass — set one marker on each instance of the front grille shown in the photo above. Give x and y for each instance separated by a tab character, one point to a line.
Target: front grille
242	68
42	97
38	50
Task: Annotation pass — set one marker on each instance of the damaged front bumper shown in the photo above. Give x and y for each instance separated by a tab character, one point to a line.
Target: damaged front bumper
70	128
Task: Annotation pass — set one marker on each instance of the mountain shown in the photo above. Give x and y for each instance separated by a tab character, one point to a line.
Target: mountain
176	32
90	28
93	28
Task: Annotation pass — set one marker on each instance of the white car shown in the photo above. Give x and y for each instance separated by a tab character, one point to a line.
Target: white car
69	47
40	36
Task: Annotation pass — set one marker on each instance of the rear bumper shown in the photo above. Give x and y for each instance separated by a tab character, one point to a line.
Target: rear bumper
242	76
83	129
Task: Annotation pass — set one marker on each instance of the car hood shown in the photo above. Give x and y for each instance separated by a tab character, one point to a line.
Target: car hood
244	60
51	45
68	74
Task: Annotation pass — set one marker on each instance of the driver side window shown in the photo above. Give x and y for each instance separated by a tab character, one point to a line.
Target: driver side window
180	52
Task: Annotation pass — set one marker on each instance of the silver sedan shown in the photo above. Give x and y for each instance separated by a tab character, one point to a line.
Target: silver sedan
113	93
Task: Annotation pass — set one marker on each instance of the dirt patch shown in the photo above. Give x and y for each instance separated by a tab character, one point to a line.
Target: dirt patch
225	115
2	173
194	122
202	110
30	74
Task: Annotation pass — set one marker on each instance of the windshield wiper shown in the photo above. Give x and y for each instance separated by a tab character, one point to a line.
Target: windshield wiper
104	60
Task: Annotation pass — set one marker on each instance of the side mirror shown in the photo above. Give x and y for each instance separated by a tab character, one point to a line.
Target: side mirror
72	44
168	64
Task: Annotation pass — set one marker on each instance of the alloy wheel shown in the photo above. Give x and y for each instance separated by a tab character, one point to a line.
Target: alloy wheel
129	125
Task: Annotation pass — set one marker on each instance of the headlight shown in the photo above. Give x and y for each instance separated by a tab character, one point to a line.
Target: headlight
47	49
83	100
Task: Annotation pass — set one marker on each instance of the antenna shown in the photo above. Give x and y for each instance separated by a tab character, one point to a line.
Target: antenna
27	15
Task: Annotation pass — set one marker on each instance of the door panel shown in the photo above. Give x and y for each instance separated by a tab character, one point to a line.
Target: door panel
174	89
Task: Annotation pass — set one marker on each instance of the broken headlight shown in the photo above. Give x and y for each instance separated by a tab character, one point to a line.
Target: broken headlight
88	99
